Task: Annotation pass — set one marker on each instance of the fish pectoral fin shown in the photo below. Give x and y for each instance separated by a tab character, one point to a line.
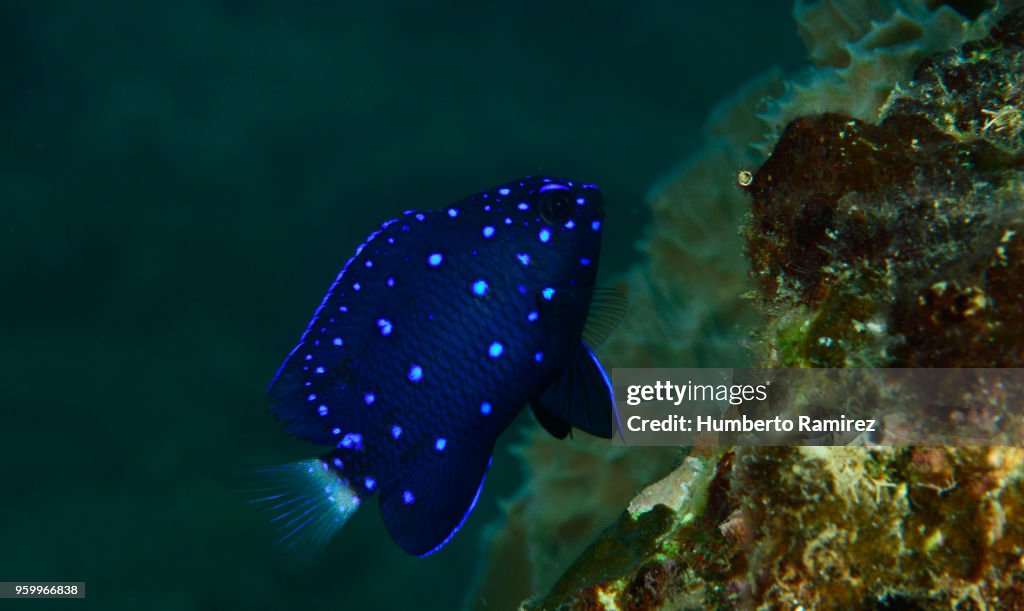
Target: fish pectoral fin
607	309
427	504
558	428
581	396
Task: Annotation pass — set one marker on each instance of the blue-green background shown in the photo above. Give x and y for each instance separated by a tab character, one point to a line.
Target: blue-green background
181	181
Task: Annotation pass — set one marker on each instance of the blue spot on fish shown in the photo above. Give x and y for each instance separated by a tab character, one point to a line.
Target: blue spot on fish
495	350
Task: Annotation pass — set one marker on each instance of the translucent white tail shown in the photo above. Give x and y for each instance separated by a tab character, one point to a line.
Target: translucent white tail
308	504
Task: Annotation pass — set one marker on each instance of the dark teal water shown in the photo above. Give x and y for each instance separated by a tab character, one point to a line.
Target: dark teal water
181	181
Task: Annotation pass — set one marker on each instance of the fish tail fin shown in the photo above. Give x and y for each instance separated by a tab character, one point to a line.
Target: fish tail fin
308	503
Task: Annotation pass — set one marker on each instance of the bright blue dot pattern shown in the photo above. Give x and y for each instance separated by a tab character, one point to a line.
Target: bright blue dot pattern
415	373
453	212
544	235
523	258
408	497
338	463
396	431
370	483
385	326
585	261
548	293
440	443
538	357
495	350
435	259
488	232
485	408
480	288
352	440
532	316
322	410
369	398
338	341
596	225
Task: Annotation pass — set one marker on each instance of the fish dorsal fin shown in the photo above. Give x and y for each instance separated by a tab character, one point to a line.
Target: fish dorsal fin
607	309
427	504
558	428
580	396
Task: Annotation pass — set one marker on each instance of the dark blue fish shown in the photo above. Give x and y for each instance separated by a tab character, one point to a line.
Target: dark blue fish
434	336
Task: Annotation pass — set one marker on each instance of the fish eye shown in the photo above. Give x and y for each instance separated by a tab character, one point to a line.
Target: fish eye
555	206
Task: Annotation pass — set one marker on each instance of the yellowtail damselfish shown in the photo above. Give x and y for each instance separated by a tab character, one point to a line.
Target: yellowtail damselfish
433	337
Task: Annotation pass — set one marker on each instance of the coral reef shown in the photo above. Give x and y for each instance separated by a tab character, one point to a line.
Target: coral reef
897	244
817	528
885	230
862	48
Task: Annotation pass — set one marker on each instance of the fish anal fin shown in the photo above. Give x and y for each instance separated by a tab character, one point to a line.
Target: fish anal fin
427	504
